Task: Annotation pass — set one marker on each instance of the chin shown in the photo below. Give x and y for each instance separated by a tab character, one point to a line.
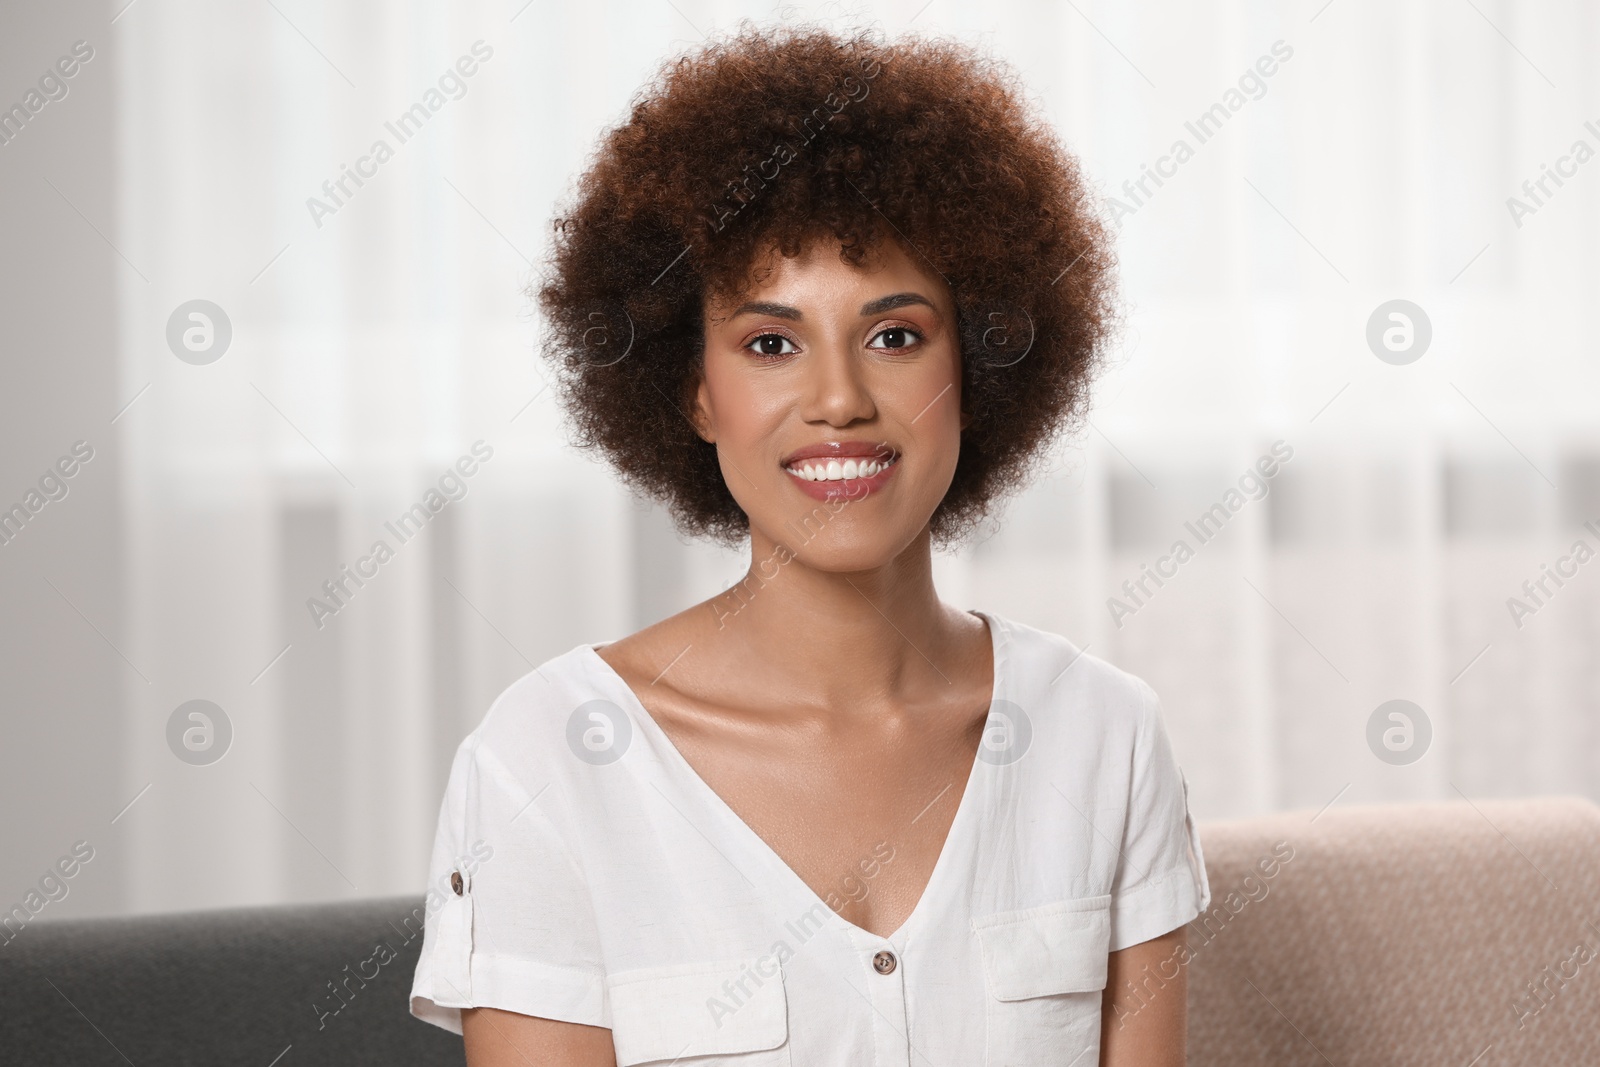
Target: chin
851	559
842	544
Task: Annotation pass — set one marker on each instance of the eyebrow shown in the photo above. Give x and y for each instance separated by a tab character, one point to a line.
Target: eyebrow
871	307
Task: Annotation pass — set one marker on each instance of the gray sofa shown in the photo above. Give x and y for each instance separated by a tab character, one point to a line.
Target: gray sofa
256	987
1414	934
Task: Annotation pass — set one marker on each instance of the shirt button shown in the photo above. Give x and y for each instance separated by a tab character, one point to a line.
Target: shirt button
884	962
455	882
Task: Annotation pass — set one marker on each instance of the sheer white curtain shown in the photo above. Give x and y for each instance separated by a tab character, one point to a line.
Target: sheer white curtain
379	331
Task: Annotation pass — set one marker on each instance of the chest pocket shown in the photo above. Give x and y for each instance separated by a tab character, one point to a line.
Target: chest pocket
733	1011
1045	969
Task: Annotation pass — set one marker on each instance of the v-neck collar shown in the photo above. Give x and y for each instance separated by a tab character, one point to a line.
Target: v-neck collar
956	838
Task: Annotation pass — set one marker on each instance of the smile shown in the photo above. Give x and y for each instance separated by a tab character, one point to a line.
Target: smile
832	470
830	479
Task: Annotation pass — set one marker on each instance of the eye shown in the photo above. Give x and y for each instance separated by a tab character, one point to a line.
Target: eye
771	345
895	337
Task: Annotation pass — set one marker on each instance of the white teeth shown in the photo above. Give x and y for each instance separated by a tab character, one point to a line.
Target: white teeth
834	471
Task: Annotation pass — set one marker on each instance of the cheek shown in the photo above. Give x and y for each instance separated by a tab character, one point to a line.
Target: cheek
742	405
927	401
749	414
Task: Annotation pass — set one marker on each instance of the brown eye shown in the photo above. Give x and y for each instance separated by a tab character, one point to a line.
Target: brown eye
895	337
771	345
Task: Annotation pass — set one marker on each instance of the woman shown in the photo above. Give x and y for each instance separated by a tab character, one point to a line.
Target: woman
836	297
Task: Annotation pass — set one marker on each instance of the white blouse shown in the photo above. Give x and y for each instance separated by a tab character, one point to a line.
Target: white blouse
583	871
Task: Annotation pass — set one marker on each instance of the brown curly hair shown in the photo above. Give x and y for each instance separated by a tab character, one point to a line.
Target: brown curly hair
774	138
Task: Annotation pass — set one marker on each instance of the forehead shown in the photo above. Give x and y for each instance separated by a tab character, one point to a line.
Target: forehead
819	274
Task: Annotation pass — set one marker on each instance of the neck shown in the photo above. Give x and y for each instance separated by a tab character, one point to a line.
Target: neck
842	639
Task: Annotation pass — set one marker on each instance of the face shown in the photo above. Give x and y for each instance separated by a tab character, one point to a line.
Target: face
833	395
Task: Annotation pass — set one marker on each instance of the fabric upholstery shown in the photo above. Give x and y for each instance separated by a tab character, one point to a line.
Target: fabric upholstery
1391	936
1401	935
220	987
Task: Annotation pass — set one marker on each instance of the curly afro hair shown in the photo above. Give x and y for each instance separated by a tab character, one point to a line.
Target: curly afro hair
776	138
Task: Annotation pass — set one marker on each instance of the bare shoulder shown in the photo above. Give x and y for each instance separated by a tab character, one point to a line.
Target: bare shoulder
685	679
642	657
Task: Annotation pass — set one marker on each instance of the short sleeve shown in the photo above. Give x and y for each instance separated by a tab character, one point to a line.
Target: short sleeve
1161	881
509	923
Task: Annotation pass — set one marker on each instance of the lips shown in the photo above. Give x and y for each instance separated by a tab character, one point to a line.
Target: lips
832	470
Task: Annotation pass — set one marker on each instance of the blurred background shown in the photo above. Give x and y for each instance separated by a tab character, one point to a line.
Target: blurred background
249	371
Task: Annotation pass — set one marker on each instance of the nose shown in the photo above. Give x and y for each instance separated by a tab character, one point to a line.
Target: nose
836	390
